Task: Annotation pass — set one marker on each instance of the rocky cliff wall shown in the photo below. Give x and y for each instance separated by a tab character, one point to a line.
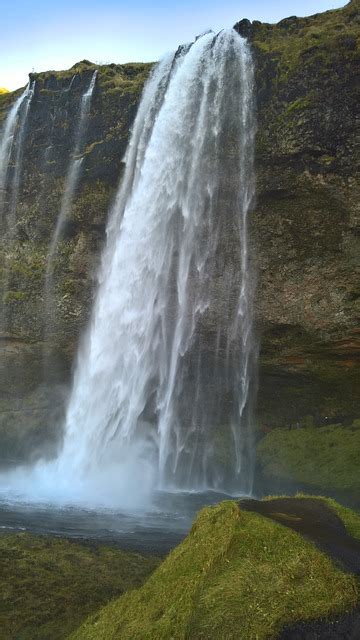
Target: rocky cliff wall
304	227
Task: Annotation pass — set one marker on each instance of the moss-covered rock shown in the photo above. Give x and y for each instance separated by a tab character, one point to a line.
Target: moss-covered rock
305	225
237	574
327	457
49	585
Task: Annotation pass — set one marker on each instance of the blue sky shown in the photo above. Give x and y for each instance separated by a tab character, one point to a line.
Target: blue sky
39	35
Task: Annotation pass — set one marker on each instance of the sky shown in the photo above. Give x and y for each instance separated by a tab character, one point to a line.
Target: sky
38	35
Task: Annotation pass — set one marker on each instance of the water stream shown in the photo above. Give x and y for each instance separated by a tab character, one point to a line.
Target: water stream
71	184
11	161
12	138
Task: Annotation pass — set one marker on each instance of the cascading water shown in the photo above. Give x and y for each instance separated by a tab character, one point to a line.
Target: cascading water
162	390
11	156
71	184
13	134
15	186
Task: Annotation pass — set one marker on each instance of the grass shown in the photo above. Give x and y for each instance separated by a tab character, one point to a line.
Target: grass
326	457
236	571
49	586
321	39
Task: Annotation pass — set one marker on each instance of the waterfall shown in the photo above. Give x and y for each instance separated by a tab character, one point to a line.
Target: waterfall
13	136
71	183
163	384
15	186
73	174
11	156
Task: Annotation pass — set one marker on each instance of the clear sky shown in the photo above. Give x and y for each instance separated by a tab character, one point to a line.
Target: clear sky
43	34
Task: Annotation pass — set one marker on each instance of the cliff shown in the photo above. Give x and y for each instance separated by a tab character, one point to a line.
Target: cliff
304	227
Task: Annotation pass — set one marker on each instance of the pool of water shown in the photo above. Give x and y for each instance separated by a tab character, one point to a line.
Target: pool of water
157	530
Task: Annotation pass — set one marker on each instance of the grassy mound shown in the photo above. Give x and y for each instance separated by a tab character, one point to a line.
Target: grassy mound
237	574
49	586
326	457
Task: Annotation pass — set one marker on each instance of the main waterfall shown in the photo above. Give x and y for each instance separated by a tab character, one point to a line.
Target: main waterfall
162	389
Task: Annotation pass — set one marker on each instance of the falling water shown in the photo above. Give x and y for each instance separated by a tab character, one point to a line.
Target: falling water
71	184
163	383
73	174
15	186
11	156
13	133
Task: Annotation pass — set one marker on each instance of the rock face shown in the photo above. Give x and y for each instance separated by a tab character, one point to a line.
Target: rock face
304	231
305	226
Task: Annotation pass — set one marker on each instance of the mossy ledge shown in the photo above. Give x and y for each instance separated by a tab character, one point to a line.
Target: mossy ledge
235	572
50	585
327	458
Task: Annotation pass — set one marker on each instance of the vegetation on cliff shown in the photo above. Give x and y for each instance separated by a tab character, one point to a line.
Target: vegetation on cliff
49	585
235	571
323	38
327	457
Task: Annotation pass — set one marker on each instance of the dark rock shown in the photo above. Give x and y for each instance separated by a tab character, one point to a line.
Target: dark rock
244	28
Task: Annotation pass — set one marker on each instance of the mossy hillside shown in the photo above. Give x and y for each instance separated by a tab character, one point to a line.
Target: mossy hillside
323	37
235	573
130	76
326	457
48	586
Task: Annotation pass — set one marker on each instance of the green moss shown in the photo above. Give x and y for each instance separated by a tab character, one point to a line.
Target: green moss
50	585
91	147
298	105
122	78
235	571
318	40
14	296
325	457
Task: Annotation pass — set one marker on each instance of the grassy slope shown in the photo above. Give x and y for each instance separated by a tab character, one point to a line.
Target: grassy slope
49	586
326	457
235	571
324	36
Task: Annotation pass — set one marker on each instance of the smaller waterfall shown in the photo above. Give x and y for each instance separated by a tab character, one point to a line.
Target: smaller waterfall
7	143
11	156
71	184
73	174
15	186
